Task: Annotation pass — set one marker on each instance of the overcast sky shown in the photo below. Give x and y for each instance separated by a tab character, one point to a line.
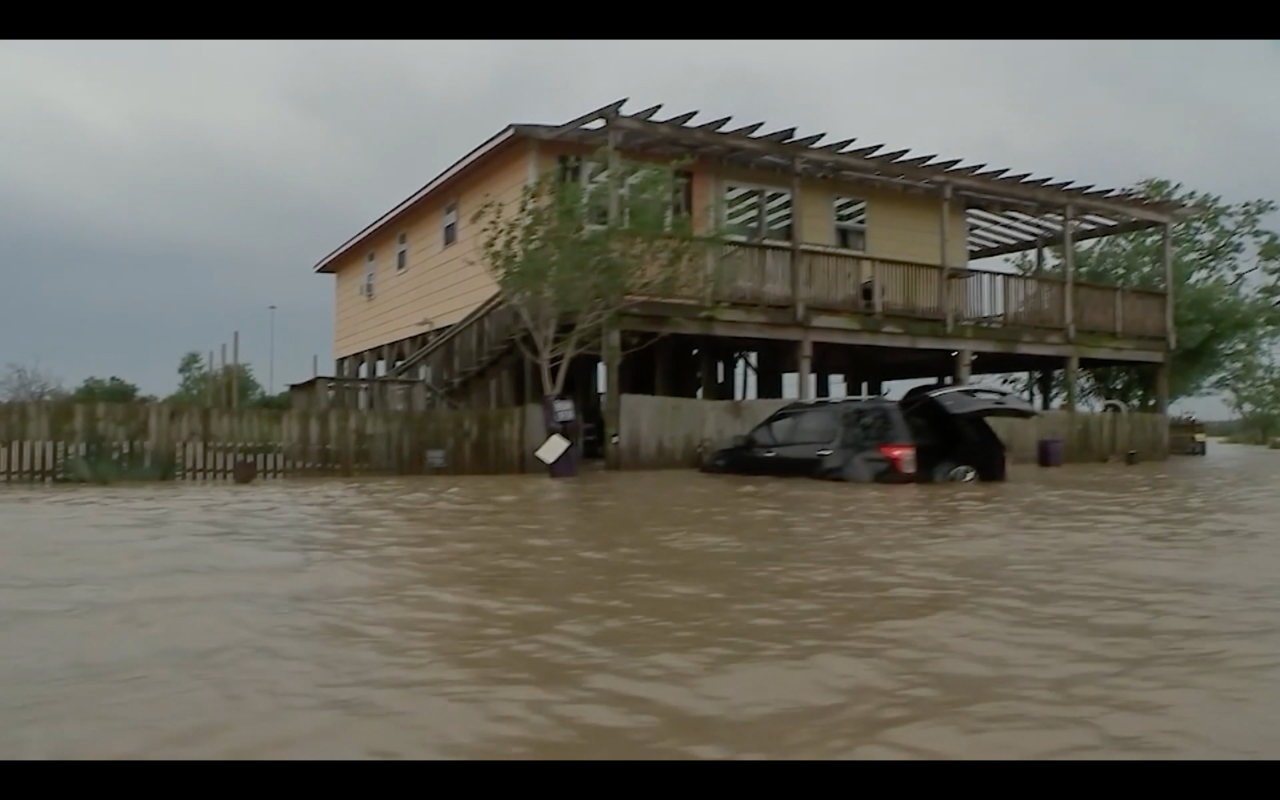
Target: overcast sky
155	196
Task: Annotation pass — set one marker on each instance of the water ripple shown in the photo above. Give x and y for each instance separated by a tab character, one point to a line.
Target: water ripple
1088	612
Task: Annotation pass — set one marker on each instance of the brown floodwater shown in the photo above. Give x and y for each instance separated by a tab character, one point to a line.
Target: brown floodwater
1092	611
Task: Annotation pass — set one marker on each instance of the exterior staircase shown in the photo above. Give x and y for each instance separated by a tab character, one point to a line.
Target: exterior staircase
463	352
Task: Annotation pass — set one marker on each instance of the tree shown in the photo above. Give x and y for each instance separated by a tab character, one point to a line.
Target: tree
1252	392
111	390
201	384
569	268
277	402
1226	266
28	384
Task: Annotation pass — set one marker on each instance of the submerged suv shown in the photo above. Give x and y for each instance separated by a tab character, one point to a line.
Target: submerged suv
930	435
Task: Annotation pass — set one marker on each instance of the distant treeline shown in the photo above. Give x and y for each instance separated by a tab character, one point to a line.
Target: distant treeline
1226	427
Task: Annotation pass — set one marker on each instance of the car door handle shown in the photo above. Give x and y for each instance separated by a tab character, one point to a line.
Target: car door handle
824	452
769	453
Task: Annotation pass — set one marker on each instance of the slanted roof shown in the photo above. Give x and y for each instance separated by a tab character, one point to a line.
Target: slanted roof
1006	213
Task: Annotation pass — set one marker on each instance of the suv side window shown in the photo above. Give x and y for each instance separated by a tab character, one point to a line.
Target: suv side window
815	427
868	427
776	430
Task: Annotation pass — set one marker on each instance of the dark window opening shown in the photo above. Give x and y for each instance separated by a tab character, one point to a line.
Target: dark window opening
816	427
775	431
682	194
570	169
450	224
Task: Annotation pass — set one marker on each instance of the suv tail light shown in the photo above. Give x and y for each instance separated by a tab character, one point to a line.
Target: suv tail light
902	456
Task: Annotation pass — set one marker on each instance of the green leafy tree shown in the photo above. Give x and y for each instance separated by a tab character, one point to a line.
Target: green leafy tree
277	402
111	390
1252	391
200	383
1226	265
568	270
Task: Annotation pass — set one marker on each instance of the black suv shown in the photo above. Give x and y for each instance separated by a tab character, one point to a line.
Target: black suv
933	434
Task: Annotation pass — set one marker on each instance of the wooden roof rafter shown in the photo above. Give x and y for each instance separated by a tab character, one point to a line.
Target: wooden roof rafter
989	195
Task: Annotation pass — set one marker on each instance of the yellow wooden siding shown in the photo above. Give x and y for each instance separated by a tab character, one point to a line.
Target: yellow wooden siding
439	283
444	283
901	226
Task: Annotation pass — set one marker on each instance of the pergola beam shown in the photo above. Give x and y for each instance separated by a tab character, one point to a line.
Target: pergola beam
1079	236
885	165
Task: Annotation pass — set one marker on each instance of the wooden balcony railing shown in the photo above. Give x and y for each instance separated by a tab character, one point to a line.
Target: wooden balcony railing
754	274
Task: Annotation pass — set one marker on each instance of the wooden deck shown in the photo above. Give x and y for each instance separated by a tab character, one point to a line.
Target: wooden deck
835	281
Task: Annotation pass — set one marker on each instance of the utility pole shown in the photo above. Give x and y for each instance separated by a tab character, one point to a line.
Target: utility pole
222	379
271	360
235	369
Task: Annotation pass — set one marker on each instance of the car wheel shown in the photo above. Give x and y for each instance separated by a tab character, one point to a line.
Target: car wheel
955	473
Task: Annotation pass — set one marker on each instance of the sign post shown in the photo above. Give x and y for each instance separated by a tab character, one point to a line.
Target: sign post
559	452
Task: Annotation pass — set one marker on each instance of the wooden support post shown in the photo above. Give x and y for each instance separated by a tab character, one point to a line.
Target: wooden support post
1046	389
964	367
612	398
1072	375
1162	389
1171	334
945	258
799	279
532	383
806	366
1069	274
1039	269
823	388
662	367
707	370
724	375
615	184
768	372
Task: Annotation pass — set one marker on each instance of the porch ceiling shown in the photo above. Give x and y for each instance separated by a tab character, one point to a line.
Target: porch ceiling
1006	213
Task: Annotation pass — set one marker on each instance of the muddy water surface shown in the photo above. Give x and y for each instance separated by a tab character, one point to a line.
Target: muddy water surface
1098	611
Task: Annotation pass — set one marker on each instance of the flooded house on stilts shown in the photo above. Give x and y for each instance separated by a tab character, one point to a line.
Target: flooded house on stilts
841	259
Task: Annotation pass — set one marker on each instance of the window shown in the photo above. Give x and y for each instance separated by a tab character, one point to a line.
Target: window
816	427
755	213
570	169
370	270
594	179
597	194
402	252
776	430
450	224
851	223
868	427
682	194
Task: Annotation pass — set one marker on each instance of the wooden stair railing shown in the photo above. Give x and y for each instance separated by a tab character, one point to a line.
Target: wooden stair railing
482	337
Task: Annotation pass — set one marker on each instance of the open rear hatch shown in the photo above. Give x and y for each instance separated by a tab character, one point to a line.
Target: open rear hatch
980	401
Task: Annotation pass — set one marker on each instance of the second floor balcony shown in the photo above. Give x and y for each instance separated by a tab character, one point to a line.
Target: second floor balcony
824	280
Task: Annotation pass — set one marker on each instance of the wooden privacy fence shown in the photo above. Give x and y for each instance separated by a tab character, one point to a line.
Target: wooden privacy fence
662	432
45	442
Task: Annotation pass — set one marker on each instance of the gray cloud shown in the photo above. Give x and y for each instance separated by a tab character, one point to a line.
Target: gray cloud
155	196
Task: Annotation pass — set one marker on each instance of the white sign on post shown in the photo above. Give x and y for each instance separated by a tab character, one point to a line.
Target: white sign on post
552	449
562	410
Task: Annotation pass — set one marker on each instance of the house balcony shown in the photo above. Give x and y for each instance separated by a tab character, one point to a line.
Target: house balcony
837	282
